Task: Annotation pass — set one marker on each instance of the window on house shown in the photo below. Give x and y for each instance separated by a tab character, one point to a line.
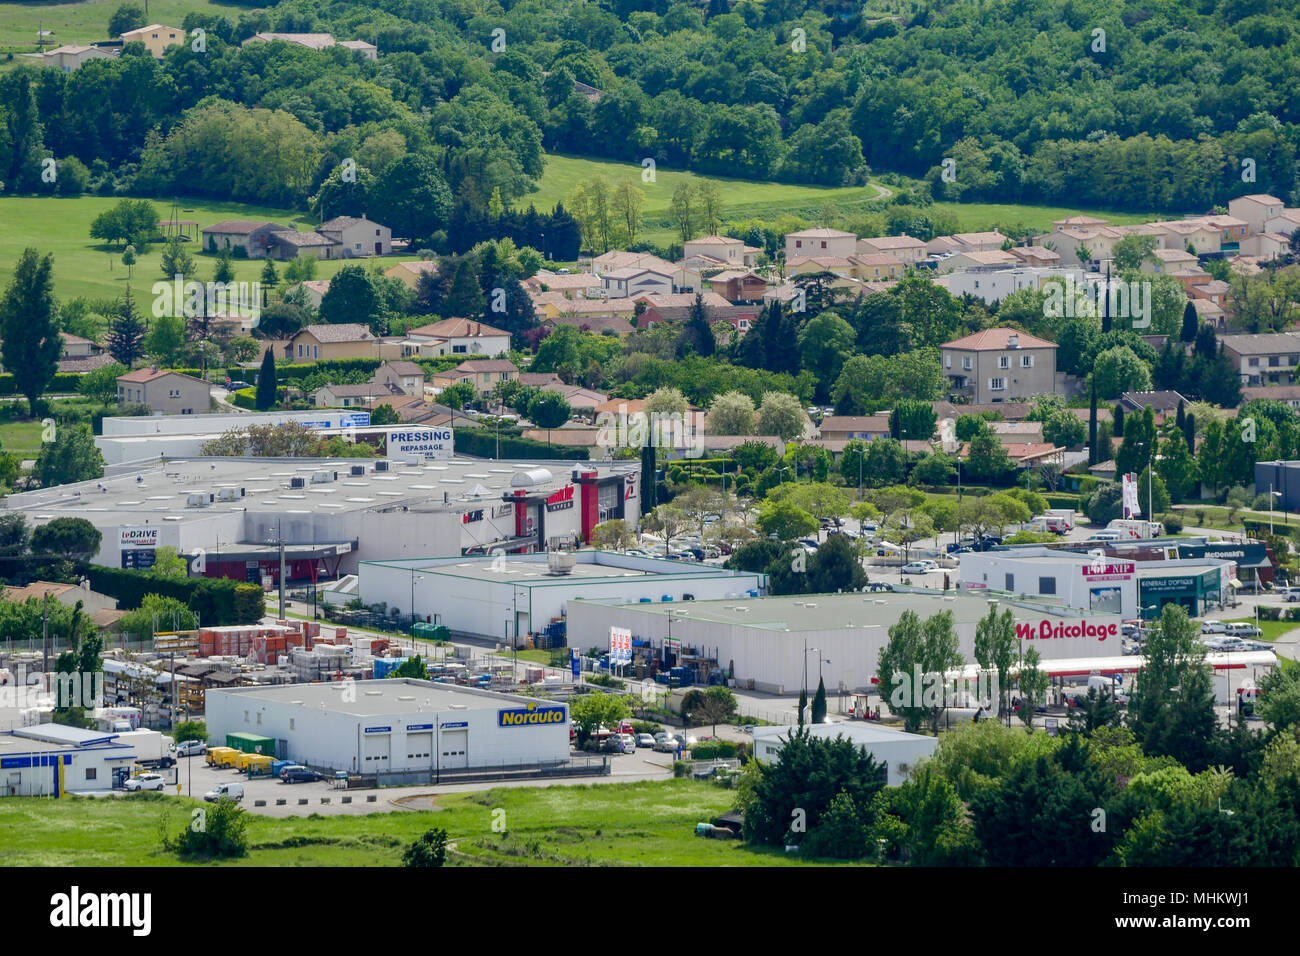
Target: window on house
1011	582
823	245
947	361
91	772
1047	585
997	384
1253	363
966	362
1004	361
1026	361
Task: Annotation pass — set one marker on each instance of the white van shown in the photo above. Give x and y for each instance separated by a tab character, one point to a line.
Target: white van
234	791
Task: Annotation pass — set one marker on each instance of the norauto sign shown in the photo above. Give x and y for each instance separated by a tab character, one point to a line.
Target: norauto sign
1053	630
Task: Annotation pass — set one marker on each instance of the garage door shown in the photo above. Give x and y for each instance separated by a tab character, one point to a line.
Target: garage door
375	759
454	750
419	749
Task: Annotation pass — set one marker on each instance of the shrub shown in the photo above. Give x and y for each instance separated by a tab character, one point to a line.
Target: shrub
429	850
715	750
645	726
681	768
216	831
1172	524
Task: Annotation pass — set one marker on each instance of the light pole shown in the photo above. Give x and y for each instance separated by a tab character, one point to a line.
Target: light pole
414	577
1271	495
781	471
862	453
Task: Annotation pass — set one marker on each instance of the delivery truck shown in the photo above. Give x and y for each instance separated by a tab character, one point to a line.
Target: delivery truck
152	749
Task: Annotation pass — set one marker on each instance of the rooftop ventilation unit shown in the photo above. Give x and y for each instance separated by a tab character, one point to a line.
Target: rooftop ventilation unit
227	494
381	466
358	470
322	477
531	477
197	499
560	562
297	482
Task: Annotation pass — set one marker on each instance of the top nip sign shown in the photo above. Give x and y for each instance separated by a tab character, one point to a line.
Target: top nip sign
421	442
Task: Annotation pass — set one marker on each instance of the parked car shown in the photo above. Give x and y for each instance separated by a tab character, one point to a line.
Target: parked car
1214	627
236	385
886	548
146	781
879	586
645	740
665	744
918	567
810	543
1105	536
189	748
293	766
629	742
1244	630
299	775
611	745
232	791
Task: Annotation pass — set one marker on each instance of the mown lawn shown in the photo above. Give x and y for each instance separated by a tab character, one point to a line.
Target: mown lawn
88	267
649	823
21	438
1272	629
86	21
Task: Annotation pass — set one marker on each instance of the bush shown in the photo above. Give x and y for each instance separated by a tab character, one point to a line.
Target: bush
214	832
715	750
604	680
190	730
1172	524
429	850
245	398
645	726
213	599
681	768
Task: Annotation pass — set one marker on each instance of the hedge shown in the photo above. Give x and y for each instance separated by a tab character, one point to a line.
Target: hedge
482	443
285	372
217	601
1061	501
63	382
245	398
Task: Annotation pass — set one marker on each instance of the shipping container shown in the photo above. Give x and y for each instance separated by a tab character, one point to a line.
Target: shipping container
251	744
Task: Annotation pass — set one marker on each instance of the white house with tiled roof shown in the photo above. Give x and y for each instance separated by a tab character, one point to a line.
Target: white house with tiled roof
999	365
456	337
358	236
1256	209
731	252
155	37
165	392
807	243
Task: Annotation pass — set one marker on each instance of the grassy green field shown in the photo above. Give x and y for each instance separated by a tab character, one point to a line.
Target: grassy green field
743	199
87	21
634	824
21	438
88	267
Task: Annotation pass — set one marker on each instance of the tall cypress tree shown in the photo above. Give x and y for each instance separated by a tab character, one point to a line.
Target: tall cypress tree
698	334
1093	457
28	323
1189	432
1191	321
1181	419
819	703
1118	429
649	485
1105	316
266	382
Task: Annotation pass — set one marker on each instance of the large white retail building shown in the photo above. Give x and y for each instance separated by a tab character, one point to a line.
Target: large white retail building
395	726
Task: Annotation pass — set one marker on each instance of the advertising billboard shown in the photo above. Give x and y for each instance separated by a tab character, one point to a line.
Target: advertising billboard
420	442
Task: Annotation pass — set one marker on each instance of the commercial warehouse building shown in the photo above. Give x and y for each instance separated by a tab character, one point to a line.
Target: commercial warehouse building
399	730
1100	584
504	597
897	751
144	438
768	642
228	514
49	760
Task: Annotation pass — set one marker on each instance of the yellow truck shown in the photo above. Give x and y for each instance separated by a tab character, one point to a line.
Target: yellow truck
222	756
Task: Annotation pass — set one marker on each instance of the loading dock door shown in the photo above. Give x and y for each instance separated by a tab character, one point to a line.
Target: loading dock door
419	750
375	758
454	749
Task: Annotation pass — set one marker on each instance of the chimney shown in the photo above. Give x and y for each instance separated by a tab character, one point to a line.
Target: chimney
1013	341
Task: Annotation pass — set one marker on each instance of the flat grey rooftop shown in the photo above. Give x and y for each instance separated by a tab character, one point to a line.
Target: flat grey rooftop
160	491
821	612
591	566
378	698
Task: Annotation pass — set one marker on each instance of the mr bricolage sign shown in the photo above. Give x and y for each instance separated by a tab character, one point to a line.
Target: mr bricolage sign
1054	630
532	714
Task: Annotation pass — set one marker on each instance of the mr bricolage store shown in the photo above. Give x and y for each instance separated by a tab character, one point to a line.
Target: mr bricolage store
1101	584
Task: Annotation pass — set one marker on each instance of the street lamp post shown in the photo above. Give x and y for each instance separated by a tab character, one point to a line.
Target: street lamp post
414	577
862	454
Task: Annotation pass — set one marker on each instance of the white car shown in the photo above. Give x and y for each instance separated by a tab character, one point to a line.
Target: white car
1214	627
918	567
1105	536
146	781
189	748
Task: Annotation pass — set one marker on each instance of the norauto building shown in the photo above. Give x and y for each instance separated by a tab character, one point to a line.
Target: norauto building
1099	583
